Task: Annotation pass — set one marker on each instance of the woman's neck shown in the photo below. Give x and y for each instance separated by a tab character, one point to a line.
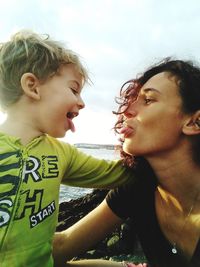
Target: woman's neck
179	177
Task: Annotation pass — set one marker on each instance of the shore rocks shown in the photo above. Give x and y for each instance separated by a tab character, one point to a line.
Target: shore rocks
121	244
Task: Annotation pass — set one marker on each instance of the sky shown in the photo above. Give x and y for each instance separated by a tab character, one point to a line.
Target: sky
116	40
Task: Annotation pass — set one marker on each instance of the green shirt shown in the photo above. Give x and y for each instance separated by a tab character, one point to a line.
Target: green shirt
30	178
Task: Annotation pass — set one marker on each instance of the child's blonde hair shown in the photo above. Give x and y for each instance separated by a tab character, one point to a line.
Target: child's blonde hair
30	52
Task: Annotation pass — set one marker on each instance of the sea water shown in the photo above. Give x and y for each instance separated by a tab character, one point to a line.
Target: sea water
68	192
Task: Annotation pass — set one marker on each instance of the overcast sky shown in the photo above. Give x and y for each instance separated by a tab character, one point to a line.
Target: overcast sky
116	39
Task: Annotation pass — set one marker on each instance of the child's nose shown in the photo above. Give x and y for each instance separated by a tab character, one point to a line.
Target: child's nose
81	103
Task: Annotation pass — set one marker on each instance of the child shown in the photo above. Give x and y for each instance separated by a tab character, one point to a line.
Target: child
40	90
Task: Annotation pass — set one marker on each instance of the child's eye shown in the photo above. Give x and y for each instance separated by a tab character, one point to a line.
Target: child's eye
74	91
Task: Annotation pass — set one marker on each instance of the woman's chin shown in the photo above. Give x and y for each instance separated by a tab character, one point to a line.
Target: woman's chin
128	149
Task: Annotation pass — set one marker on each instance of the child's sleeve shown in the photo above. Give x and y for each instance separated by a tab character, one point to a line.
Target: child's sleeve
84	170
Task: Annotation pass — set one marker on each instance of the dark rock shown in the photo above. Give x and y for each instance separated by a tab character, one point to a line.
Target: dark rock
72	211
122	241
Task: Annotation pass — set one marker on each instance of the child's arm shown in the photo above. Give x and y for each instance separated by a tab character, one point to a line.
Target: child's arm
84	234
83	170
96	263
102	263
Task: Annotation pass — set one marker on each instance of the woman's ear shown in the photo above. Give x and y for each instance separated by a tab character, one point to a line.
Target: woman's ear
30	85
192	124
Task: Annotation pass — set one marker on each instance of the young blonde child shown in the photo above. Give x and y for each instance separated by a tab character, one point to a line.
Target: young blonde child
40	91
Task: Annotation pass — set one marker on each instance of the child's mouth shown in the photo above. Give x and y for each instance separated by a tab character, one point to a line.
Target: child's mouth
70	116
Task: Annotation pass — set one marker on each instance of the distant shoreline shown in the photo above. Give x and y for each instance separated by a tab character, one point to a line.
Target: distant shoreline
96	146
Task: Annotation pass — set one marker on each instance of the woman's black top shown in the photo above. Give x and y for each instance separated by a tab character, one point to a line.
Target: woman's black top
137	201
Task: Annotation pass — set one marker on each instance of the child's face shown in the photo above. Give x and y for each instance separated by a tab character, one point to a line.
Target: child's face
60	101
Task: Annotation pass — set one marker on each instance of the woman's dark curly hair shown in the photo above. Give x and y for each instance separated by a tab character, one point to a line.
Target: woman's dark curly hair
187	75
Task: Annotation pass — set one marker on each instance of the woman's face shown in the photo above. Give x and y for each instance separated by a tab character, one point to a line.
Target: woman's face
153	123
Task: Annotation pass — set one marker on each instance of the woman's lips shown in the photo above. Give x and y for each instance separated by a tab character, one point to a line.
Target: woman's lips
126	131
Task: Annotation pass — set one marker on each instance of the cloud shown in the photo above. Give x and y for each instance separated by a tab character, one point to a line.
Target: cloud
116	38
93	127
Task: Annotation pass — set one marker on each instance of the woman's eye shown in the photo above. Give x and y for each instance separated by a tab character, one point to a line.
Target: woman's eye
148	100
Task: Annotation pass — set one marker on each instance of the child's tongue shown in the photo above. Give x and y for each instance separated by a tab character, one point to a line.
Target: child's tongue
71	125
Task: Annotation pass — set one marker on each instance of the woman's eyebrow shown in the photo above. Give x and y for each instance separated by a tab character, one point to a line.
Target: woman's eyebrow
147	90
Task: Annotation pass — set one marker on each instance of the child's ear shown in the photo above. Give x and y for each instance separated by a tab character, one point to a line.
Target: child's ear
192	124
29	84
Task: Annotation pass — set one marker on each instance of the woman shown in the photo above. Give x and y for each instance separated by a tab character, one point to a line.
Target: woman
159	122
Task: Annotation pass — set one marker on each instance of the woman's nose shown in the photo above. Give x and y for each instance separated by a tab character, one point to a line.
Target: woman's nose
131	111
